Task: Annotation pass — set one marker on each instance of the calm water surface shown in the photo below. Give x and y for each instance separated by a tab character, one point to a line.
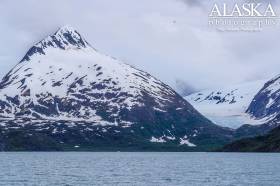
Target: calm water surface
82	168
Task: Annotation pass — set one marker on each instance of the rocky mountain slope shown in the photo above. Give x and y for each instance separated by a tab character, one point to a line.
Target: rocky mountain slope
64	94
266	103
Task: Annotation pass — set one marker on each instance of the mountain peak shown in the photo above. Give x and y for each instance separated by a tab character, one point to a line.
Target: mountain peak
65	38
68	37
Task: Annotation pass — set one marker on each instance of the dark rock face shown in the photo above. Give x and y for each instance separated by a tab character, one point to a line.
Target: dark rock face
66	93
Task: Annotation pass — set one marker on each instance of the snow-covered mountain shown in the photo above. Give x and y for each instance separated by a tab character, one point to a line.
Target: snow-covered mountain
66	92
62	77
227	106
266	103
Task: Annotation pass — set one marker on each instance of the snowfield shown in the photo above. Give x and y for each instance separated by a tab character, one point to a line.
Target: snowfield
227	106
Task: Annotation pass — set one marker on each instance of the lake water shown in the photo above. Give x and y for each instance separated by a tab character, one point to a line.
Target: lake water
119	168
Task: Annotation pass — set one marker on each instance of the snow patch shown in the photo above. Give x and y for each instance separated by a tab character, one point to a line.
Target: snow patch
185	141
157	140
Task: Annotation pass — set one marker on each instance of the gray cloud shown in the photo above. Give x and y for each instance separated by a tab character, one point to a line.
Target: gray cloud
165	38
184	88
192	2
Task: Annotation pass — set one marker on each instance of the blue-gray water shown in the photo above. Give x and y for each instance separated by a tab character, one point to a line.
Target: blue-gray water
70	168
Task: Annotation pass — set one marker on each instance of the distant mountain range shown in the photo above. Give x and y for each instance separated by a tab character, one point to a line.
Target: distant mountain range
65	95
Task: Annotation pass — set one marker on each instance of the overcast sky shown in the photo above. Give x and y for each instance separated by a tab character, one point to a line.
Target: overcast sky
168	38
